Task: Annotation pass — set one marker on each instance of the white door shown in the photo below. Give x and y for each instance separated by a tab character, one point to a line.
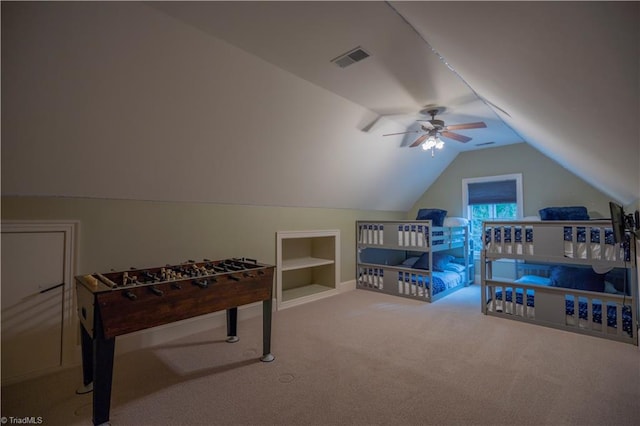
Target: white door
33	294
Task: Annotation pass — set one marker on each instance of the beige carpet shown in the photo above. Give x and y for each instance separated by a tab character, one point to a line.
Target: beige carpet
361	358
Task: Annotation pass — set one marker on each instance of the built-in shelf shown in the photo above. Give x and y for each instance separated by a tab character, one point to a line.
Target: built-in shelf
308	266
304	262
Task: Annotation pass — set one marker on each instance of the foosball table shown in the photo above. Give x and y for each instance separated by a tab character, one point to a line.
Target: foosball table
116	303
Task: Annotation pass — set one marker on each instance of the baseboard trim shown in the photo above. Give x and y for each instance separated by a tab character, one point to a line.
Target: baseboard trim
347	286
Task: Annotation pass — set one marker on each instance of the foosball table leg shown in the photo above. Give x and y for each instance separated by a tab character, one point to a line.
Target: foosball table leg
266	331
97	372
232	325
103	352
86	345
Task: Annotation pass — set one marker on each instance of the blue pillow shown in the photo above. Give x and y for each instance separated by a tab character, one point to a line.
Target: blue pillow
564	213
578	278
422	262
440	261
436	216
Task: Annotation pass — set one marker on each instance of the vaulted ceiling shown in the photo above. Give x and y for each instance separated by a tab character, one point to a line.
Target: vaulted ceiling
561	76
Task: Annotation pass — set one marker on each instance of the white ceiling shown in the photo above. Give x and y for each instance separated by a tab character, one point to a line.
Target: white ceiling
402	76
240	100
565	73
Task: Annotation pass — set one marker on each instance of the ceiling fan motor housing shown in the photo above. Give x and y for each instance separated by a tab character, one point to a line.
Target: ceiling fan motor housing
438	124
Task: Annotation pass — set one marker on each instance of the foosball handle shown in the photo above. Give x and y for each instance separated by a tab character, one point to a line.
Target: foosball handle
156	291
201	283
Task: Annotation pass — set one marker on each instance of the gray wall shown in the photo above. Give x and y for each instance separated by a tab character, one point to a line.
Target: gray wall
120	234
544	182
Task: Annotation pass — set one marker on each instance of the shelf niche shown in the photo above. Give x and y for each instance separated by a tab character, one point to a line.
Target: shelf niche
308	266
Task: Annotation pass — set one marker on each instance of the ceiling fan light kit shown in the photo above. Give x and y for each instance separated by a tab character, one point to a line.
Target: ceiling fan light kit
432	143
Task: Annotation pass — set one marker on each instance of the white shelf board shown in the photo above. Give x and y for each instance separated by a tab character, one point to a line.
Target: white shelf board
303	291
304	262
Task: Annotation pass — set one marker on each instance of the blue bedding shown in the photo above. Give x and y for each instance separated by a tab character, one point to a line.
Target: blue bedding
583	309
442	280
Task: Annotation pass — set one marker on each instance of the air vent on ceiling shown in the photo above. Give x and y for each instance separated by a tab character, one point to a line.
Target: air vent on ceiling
351	57
485	143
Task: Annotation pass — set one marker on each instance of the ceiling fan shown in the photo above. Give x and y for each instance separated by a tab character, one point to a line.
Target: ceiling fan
434	128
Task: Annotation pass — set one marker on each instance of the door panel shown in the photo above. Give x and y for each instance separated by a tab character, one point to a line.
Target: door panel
32	320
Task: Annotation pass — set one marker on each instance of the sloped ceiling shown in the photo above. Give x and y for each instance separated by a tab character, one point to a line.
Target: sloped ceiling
238	102
403	76
566	73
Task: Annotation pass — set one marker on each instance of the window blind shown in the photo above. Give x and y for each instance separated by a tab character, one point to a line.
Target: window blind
493	192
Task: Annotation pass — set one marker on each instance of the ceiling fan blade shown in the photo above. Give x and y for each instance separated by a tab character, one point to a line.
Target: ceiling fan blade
367	128
459	138
476	125
419	140
402	133
382	117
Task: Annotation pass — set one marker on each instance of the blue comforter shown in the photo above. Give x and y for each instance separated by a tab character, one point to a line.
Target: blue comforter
442	280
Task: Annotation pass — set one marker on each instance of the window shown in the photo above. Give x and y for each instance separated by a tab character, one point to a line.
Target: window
490	198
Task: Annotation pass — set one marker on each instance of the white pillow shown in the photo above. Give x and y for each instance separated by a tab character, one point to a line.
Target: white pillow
534	279
410	261
454	267
455	221
610	288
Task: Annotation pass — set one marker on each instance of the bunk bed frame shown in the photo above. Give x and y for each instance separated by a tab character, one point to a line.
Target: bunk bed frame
383	246
537	246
